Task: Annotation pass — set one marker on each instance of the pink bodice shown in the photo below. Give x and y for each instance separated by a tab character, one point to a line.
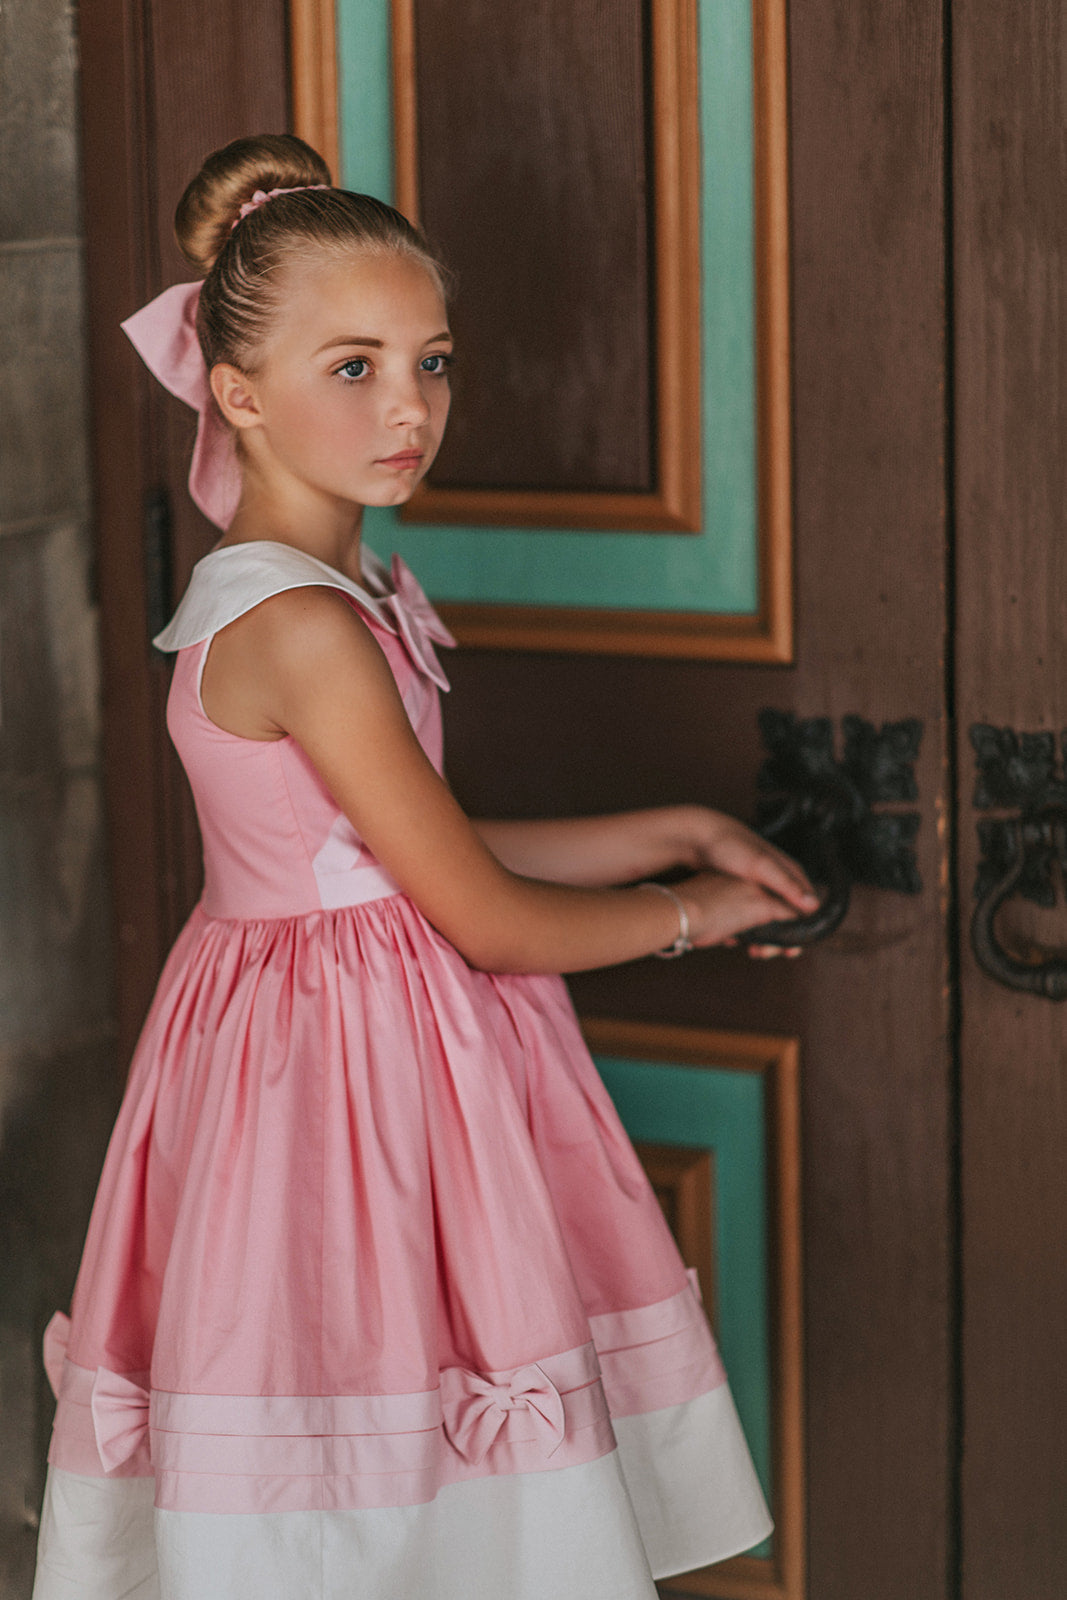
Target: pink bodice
276	844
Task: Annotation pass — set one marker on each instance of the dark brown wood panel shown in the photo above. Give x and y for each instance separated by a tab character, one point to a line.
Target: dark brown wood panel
116	185
230	63
534	180
870	379
161	85
870	1007
1010	95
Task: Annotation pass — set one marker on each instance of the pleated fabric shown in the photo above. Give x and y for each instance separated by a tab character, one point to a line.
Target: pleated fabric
375	1297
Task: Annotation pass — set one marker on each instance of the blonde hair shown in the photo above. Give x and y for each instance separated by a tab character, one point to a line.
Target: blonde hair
240	263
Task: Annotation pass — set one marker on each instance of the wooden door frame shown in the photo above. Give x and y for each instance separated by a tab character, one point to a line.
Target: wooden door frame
119	276
869	371
139	437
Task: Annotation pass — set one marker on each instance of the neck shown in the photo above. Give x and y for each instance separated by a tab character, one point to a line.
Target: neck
330	531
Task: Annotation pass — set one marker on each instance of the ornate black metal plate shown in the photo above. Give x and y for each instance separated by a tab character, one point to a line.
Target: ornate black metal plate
1018	772
819	793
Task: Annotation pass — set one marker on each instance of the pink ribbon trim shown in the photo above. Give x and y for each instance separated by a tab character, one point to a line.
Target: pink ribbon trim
120	1418
164	335
475	1416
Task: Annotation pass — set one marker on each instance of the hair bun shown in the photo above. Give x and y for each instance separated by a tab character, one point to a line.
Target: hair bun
228	178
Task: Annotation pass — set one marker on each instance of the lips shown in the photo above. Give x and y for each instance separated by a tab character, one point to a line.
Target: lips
402	459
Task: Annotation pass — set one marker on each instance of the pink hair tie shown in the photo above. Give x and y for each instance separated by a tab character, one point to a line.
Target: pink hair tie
261	197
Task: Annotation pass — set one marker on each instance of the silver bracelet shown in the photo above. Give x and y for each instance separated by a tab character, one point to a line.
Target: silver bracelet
683	941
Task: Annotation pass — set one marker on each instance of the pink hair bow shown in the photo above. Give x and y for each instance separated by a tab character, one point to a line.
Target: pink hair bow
417	622
475	1416
120	1420
164	335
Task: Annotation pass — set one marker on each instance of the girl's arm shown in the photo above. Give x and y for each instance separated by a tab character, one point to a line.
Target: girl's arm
596	852
305	664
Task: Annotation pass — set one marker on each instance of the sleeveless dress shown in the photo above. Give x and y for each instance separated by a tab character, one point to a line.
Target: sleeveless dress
376	1301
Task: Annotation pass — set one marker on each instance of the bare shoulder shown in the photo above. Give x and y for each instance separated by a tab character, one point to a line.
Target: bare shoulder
297	648
299	629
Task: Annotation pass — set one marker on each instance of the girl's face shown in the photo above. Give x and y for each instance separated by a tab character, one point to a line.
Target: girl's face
351	392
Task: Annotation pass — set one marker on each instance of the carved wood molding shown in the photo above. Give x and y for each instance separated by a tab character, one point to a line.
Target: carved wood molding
313	50
768	634
782	1577
682	1180
676	504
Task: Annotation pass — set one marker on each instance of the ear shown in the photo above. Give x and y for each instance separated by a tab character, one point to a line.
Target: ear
235	395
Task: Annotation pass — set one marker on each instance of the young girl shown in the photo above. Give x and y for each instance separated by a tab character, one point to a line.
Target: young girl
376	1302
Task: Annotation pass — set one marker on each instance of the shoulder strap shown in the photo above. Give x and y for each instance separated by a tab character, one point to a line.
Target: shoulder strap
233	579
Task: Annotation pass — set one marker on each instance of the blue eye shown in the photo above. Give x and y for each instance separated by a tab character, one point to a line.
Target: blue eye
349	372
438	364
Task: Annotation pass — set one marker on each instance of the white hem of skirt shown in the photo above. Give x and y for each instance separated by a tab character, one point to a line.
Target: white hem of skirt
679	1492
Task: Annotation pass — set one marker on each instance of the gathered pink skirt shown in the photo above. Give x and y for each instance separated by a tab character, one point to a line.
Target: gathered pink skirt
370	1235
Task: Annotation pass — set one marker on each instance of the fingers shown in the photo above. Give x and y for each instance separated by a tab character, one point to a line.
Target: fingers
742	853
767	865
784	877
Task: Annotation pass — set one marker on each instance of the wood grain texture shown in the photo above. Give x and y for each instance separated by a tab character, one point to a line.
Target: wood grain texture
625	306
684	1185
1010	177
586	630
230	64
782	1575
530	733
313	54
868	131
162	85
532	172
676	502
116	182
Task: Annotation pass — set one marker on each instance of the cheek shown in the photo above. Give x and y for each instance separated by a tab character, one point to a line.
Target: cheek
317	427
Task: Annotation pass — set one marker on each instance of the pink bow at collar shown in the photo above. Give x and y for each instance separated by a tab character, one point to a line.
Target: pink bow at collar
120	1420
417	622
164	335
473	1420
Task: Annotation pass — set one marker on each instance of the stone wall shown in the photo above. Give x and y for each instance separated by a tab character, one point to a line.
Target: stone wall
59	1080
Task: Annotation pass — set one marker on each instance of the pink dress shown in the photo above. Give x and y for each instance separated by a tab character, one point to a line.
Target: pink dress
376	1301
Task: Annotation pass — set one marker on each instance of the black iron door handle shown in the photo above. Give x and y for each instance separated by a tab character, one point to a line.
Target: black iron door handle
1048	977
820	808
1018	775
824	863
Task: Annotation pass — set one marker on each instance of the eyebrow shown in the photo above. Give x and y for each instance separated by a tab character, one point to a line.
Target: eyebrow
373	344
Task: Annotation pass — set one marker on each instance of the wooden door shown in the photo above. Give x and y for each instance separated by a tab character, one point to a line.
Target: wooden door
927	397
1010	493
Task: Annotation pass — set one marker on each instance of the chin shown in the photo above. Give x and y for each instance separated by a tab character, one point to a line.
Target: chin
385	497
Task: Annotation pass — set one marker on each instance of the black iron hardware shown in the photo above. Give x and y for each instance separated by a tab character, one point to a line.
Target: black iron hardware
819	808
1018	773
157	561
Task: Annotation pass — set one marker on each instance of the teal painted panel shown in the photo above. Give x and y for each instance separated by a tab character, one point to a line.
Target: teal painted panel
712	571
722	1110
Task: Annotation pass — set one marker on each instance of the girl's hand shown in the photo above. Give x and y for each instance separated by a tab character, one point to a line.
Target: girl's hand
720	906
726	845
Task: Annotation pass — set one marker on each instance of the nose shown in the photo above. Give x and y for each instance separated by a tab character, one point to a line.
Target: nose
408	406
